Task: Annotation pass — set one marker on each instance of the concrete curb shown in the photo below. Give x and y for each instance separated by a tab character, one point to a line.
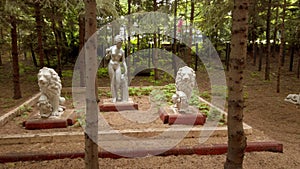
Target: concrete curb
216	149
13	113
111	135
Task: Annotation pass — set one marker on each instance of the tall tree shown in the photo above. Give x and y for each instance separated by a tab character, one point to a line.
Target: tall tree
91	131
267	71
275	32
282	42
38	19
15	64
189	50
155	60
1	43
236	136
57	41
81	22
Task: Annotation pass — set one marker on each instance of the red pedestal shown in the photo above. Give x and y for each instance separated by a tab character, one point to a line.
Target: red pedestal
107	105
168	116
68	118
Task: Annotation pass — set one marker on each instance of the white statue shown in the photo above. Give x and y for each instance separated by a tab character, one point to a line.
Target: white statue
293	98
185	82
50	87
118	83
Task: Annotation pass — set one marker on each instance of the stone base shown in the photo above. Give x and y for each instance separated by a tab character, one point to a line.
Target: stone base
108	105
68	118
170	116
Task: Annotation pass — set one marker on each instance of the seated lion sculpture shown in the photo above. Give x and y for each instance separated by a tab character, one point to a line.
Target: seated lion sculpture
50	87
185	82
293	98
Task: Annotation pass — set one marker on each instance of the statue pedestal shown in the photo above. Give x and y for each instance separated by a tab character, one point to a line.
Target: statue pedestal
108	105
68	118
170	115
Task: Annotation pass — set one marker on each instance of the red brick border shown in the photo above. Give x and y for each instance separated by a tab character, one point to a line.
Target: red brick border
187	119
215	149
118	107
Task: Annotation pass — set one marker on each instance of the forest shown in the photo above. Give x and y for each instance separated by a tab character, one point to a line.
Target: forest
258	50
51	33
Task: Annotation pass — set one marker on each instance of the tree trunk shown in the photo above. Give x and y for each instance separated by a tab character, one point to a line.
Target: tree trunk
81	45
189	50
155	61
236	136
267	71
128	43
261	53
64	42
33	55
174	39
253	32
91	130
1	35
282	42
292	57
39	27
275	33
15	59
57	40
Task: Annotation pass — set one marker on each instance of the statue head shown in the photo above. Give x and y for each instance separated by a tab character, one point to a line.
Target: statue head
118	41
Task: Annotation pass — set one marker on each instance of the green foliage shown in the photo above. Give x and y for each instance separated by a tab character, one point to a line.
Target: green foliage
205	95
25	108
246	95
67	73
139	91
24	111
102	72
254	74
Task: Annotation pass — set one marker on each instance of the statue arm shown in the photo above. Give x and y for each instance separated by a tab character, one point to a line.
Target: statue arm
124	63
108	53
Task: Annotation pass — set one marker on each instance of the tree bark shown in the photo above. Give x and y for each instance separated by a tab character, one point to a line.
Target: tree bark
155	61
39	27
1	35
282	42
275	33
91	130
15	59
261	53
174	39
57	40
267	71
81	45
189	52
236	136
253	32
128	43
33	55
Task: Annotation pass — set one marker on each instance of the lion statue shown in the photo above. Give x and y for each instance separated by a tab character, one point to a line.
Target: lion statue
185	82
50	87
293	98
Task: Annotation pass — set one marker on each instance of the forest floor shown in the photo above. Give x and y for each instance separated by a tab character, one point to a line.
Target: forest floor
265	110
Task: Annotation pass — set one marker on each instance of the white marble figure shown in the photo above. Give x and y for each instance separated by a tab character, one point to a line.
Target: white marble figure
118	81
50	87
293	98
185	82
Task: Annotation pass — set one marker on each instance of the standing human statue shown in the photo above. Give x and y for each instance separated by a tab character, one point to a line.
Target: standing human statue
118	81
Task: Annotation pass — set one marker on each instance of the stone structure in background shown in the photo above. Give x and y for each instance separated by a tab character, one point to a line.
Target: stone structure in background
50	87
293	98
119	81
185	82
